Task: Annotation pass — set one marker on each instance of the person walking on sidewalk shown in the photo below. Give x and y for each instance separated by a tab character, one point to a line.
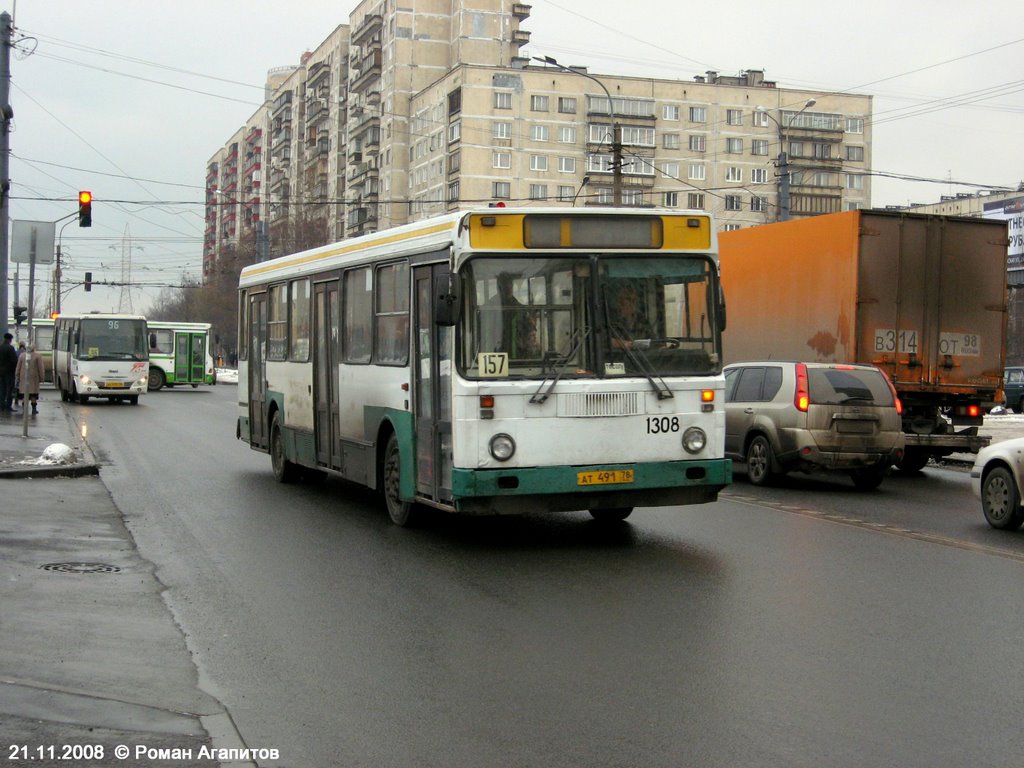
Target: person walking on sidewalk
8	366
32	366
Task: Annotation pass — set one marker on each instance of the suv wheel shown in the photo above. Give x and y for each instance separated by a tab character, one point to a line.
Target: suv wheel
759	461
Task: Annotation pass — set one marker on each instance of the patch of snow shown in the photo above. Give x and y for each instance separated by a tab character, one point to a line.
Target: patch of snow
57	453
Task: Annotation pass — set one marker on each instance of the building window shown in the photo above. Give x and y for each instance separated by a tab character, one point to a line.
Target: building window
733	203
454	132
671	170
539	133
796	149
501	190
758	203
695	200
758	146
696	172
734	146
821	150
670	141
567	134
698	115
855	154
538	162
538	103
698	142
502	100
501	130
854	181
454	101
453	192
759	119
538	191
567	164
734	116
566	192
759	175
632	197
670	199
501	160
636	136
454	162
567	105
604	196
733	173
730	227
670	112
855	125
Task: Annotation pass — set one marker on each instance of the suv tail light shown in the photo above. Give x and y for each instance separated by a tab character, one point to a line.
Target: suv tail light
895	397
802	398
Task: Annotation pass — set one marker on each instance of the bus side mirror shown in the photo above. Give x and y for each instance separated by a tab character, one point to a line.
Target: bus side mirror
449	304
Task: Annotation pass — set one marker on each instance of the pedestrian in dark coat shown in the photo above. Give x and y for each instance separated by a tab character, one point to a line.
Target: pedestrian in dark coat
8	366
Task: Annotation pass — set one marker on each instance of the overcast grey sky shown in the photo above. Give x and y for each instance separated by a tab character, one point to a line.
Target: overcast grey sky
130	98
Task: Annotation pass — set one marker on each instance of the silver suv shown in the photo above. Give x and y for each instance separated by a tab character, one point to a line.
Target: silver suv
783	416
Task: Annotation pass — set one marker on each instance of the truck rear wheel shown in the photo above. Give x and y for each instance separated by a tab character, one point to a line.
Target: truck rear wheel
913	460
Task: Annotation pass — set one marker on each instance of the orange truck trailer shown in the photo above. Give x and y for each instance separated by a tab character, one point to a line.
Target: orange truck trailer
922	297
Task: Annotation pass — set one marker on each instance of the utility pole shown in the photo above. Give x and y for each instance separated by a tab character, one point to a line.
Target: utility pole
6	114
783	159
616	128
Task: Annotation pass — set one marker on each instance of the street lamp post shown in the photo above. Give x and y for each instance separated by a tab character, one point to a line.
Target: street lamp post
783	162
616	128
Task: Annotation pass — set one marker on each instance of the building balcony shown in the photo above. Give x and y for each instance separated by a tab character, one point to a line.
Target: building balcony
521	10
520	37
371	25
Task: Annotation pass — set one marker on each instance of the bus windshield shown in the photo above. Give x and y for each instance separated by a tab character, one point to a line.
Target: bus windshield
112	339
589	316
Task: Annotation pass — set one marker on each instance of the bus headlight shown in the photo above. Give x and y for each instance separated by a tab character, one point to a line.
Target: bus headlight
502	447
85	380
694	440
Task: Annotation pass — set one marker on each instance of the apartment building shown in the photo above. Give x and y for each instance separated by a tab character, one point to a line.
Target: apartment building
411	111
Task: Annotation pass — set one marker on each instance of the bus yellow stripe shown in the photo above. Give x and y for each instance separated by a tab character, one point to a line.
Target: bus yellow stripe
360	244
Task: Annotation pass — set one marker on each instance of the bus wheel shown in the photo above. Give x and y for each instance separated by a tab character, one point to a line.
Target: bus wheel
284	470
156	380
611	515
133	400
402	513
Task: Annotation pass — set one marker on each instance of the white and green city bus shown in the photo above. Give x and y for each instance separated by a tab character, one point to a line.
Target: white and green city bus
179	353
100	355
473	362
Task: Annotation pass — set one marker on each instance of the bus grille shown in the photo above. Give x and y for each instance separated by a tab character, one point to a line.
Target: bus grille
591	404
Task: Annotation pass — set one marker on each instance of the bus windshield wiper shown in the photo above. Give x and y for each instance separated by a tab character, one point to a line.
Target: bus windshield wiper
643	364
557	369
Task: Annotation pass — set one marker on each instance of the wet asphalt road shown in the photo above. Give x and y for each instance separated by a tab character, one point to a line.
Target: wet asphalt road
805	625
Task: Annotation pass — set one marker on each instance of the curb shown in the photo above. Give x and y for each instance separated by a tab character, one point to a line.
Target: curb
20	471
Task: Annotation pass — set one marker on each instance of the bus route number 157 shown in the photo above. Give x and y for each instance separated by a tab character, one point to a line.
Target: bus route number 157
492	364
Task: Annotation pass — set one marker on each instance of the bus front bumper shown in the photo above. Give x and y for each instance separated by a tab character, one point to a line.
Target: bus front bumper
518	490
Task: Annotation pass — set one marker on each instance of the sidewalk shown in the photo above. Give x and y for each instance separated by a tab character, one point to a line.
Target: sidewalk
90	654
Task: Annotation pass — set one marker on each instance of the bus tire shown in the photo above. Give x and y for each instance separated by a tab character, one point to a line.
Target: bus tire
133	400
611	515
157	379
402	513
284	470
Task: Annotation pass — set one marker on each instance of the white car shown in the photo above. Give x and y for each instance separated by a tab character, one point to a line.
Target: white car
996	480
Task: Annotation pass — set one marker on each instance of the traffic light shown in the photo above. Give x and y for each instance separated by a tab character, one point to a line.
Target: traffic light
20	315
88	281
85	209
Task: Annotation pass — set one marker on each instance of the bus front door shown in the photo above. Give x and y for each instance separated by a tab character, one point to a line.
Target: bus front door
432	384
258	429
325	315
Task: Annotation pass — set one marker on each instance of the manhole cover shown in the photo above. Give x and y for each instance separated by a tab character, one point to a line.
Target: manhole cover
81	568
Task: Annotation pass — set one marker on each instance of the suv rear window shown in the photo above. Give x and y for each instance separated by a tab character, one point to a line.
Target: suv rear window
835	386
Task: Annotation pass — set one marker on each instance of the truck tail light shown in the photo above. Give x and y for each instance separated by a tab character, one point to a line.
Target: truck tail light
802	398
